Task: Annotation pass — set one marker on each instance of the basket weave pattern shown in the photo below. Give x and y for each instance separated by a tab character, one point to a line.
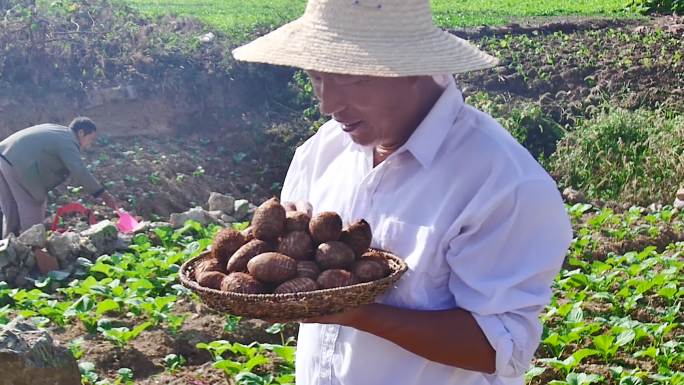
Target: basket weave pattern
291	306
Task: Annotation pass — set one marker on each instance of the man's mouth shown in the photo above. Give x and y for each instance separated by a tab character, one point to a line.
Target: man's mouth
349	127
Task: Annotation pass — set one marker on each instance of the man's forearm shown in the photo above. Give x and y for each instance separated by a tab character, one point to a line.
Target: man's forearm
450	337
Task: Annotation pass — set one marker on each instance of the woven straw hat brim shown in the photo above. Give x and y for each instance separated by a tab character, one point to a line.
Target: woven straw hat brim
310	46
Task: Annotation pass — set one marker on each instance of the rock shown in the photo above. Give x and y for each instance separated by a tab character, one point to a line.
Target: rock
46	262
225	203
30	261
197	214
22	251
86	250
35	236
103	235
7	253
156	225
678	204
123	242
20	278
10	274
680	194
655	207
215	214
573	196
142	227
29	356
241	208
65	247
227	219
207	38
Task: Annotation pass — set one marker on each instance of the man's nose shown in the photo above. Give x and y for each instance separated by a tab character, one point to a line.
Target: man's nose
330	97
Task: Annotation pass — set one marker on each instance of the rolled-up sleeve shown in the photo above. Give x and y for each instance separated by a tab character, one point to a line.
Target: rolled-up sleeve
504	256
71	157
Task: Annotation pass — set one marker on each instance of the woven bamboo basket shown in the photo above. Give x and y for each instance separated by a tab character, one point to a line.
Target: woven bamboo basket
291	306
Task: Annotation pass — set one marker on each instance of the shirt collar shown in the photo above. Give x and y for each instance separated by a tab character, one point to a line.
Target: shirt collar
431	132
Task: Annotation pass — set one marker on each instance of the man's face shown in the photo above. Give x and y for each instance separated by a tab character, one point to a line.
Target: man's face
371	109
86	140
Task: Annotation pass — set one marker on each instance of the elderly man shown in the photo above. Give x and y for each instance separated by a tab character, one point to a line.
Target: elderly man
35	160
478	221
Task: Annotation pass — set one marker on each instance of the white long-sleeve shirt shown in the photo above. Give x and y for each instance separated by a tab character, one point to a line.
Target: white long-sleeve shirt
478	221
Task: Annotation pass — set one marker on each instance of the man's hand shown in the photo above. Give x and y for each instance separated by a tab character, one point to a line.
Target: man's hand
110	201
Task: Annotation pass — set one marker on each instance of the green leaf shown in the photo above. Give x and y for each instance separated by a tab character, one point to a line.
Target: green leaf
106	306
576	314
625	337
603	342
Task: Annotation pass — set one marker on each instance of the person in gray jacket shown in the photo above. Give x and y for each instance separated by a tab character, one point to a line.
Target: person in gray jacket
37	159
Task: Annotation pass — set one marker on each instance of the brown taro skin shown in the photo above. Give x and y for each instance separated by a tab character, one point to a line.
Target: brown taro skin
358	236
334	255
334	278
296	221
297	245
296	285
308	269
238	261
368	270
268	222
325	227
209	264
225	243
379	259
242	283
248	233
211	279
272	267
289	206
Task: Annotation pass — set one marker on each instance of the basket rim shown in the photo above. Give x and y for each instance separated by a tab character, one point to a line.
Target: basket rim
190	283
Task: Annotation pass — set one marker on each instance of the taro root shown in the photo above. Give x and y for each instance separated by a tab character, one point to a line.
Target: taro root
296	221
269	220
367	270
211	279
206	265
358	236
304	207
379	259
334	278
296	285
297	245
242	283
325	227
272	267
225	243
289	206
238	261
308	269
333	255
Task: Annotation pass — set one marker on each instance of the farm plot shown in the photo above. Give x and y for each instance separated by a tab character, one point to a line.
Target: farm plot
615	318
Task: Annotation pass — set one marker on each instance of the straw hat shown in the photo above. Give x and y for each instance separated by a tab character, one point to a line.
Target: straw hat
366	37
